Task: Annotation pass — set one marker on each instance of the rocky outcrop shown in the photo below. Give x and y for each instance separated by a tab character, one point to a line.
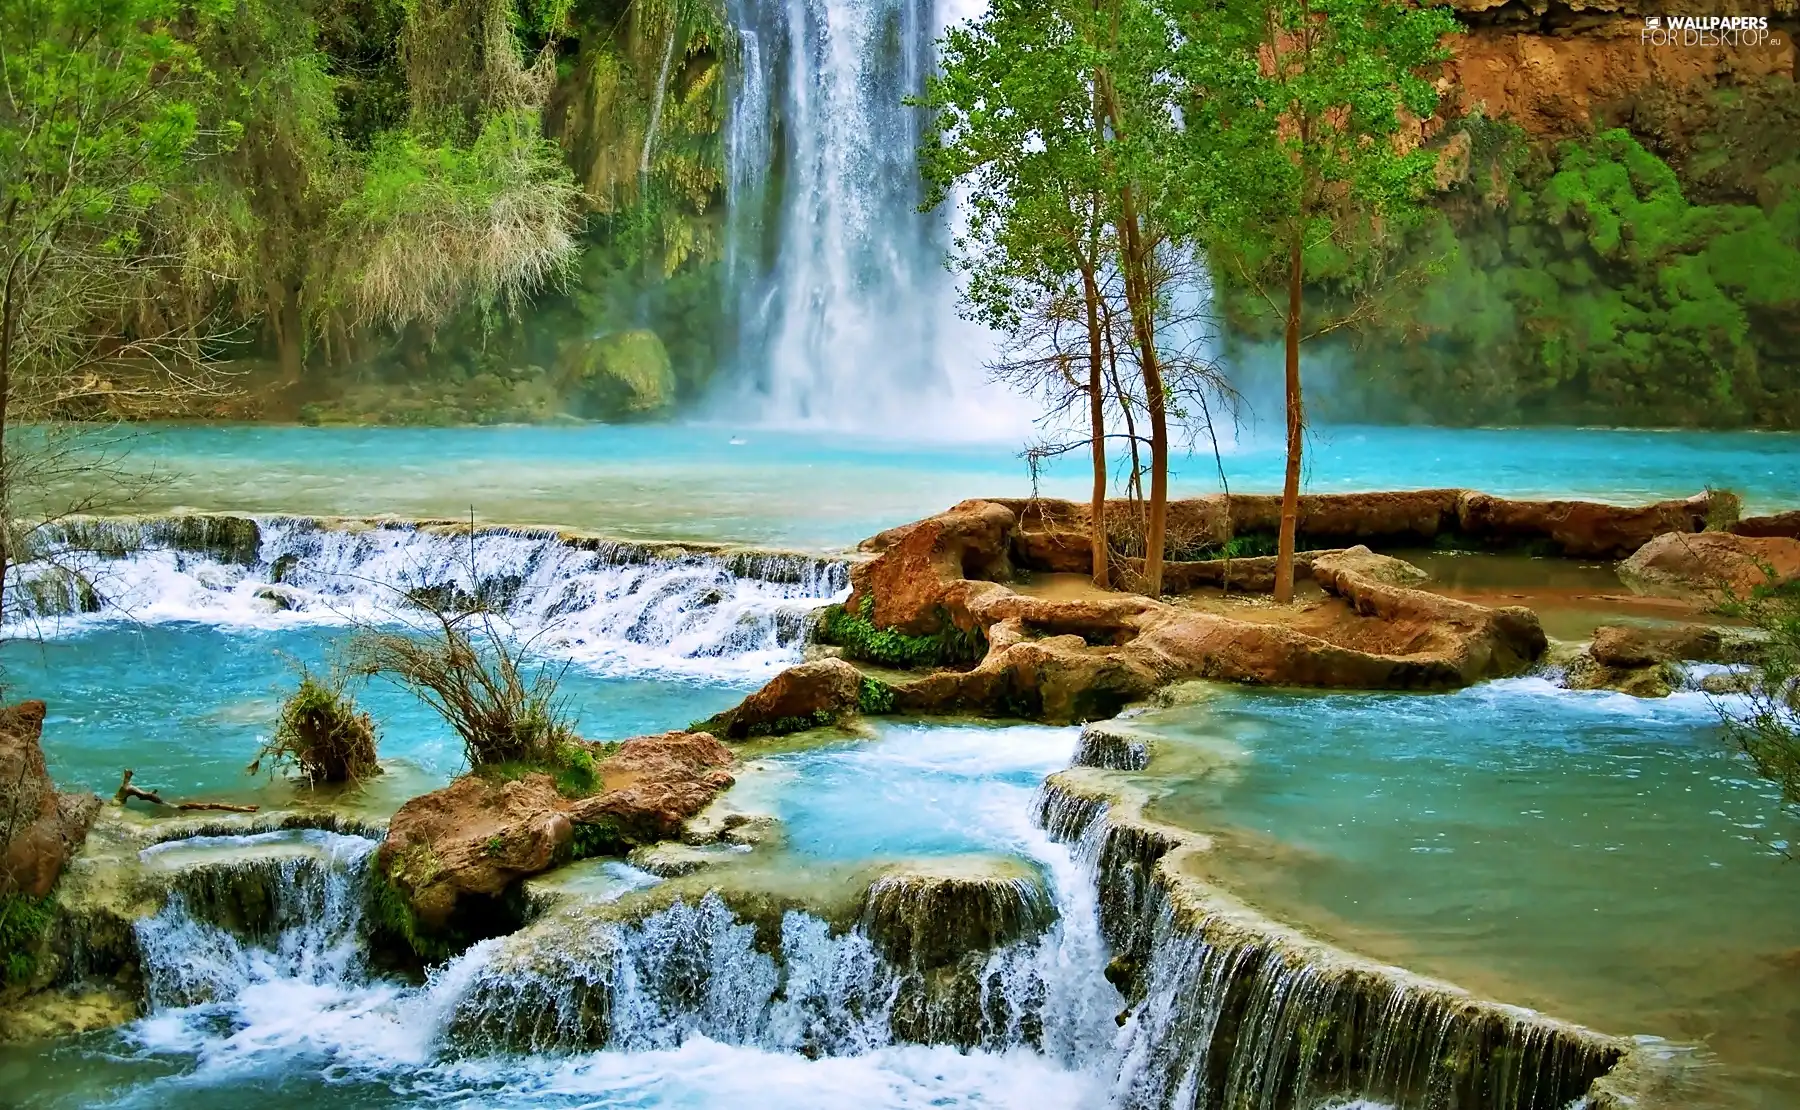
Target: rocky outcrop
652	785
1554	68
42	828
451	855
473	839
935	595
811	695
1640	660
1711	565
1051	535
1776	524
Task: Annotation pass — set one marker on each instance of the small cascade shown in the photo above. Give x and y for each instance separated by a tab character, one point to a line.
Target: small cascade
1232	1010
244	910
1109	747
974	962
618	607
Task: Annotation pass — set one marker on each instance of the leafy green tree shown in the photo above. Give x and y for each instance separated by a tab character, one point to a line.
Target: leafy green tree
97	120
1298	118
1018	131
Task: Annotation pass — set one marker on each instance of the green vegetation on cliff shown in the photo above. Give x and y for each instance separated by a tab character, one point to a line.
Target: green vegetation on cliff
402	209
1593	282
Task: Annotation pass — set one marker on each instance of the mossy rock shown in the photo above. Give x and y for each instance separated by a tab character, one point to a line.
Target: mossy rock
624	375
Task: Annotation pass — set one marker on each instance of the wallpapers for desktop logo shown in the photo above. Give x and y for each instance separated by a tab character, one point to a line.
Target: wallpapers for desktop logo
1745	31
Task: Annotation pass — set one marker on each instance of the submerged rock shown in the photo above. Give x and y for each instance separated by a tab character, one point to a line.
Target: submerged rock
44	828
1712	565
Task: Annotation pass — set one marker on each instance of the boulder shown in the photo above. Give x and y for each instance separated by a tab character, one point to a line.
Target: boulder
1711	565
452	853
43	829
473	839
1778	524
810	695
651	786
1640	661
1618	645
1577	529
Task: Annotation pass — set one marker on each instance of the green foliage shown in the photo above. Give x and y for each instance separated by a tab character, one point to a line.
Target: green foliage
435	227
321	734
23	922
1586	284
1766	726
857	634
97	121
1294	112
874	697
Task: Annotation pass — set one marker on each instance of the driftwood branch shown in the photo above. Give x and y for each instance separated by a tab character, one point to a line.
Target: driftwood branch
126	792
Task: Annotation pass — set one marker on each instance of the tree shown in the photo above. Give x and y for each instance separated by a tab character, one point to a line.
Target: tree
1017	130
96	121
1058	121
1299	129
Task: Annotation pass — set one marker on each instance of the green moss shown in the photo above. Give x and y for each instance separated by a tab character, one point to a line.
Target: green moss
573	766
858	635
23	922
230	539
391	915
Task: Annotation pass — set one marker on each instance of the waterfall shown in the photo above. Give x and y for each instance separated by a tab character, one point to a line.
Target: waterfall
615	607
264	909
846	313
1232	1010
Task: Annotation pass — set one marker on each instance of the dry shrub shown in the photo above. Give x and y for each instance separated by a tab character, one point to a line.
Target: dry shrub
473	674
322	734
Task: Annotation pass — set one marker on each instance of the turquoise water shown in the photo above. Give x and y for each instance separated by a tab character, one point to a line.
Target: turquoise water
186	706
820	491
1603	858
914	789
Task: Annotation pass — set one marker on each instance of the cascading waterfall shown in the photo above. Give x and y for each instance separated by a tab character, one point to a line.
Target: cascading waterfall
1234	1012
846	313
252	919
620	608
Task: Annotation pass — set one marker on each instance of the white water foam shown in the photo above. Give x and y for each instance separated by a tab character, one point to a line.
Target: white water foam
606	608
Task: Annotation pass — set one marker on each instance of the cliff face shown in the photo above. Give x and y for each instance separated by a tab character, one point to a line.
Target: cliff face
1556	68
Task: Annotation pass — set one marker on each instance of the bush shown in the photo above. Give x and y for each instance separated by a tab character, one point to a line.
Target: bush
473	674
321	733
1767	727
857	634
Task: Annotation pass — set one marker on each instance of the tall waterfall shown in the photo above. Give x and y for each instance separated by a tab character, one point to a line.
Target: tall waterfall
846	312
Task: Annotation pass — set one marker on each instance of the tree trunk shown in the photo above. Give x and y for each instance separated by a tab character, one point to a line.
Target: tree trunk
289	334
1097	433
1138	296
1296	424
